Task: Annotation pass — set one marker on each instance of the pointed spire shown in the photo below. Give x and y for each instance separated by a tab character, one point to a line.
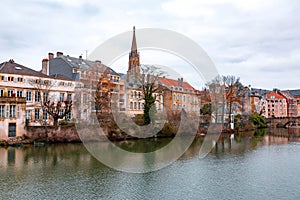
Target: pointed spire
133	46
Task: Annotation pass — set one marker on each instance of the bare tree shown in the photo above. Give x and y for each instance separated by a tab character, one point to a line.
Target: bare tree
148	84
234	92
103	91
58	110
42	88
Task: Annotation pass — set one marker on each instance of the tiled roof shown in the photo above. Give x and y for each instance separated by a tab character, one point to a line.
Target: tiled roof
275	94
84	64
61	77
14	68
287	95
171	82
295	93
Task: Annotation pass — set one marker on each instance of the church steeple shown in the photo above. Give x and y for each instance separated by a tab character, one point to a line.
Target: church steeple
134	57
133	46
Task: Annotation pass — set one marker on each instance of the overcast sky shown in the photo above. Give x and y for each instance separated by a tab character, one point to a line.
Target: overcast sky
257	40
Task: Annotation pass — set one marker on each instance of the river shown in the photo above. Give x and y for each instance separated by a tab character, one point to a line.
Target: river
256	165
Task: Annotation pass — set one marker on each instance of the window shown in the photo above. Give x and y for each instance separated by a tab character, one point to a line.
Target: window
139	105
62	96
134	105
10	93
28	96
37	114
12	111
2	111
45	115
28	114
69	116
19	93
69	97
37	96
1	92
131	105
45	96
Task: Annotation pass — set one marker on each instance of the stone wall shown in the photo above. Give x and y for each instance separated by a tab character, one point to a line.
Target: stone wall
53	134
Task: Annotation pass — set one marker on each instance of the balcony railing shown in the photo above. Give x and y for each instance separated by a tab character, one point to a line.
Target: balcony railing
12	99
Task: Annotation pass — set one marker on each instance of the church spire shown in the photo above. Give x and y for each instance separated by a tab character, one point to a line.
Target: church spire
134	57
133	46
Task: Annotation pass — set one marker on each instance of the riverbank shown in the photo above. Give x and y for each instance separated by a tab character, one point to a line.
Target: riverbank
69	134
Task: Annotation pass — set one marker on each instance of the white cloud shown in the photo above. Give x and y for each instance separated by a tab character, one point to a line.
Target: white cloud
245	38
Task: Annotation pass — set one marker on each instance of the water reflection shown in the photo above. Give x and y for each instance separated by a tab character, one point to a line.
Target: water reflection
76	154
68	171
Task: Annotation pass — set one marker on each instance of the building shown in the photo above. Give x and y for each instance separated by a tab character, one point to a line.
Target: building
86	73
180	95
292	110
275	105
22	93
296	95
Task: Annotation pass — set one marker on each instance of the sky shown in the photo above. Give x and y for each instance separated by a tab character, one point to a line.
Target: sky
258	40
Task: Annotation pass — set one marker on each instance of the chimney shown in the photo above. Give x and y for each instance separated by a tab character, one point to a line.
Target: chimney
45	66
98	62
11	60
58	54
181	82
50	56
80	57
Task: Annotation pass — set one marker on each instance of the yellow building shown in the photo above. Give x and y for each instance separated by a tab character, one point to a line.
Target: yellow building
22	93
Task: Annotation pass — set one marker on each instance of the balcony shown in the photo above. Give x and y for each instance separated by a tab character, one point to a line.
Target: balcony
13	100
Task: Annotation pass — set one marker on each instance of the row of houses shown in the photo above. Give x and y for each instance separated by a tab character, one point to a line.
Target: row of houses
276	103
23	91
63	78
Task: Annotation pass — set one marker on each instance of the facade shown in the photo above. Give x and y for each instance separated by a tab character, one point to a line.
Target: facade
256	103
25	90
180	95
296	95
86	73
275	105
292	110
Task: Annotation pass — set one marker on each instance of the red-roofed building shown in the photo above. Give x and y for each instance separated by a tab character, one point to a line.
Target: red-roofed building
292	110
180	95
275	105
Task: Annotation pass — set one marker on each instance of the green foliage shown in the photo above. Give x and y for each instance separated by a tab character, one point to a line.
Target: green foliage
238	122
258	120
260	132
149	102
206	109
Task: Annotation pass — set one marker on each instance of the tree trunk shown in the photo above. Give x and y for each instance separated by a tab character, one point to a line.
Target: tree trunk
55	121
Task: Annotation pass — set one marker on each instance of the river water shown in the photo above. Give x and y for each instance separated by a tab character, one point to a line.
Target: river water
260	165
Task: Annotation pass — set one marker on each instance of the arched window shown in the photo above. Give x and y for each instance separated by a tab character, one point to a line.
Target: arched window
131	105
139	105
135	94
139	95
134	105
131	94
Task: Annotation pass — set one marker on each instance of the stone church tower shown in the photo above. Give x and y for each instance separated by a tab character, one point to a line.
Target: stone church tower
133	71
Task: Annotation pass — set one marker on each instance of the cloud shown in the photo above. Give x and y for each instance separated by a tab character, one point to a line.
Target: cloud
257	40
